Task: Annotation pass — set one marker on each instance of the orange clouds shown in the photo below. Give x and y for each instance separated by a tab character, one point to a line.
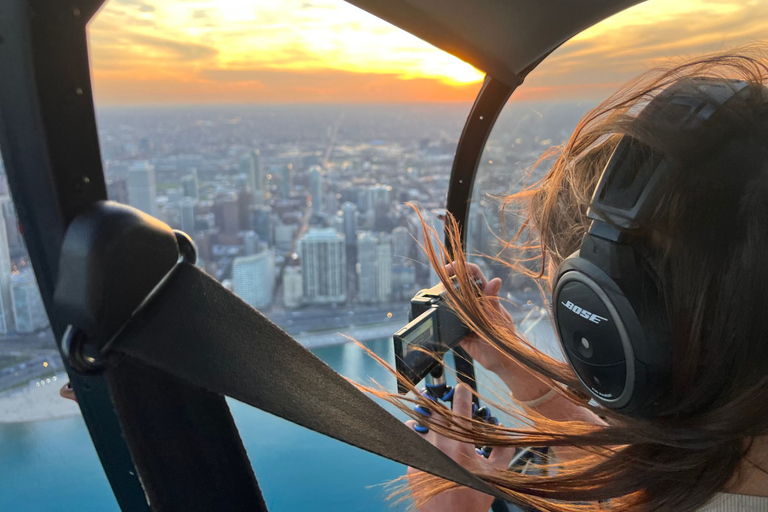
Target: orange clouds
236	51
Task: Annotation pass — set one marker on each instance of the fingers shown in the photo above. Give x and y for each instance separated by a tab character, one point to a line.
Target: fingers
474	271
501	456
462	401
492	288
66	391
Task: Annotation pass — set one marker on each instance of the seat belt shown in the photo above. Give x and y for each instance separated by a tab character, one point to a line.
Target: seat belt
140	311
196	330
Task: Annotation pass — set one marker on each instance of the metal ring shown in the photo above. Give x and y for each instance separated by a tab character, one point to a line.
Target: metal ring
75	347
187	247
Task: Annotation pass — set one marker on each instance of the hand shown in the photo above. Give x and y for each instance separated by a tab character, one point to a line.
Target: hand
66	391
482	352
463	499
516	376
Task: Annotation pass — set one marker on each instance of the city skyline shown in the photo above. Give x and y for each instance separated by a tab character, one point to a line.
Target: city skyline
328	51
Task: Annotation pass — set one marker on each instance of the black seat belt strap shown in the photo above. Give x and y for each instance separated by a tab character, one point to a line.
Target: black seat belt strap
200	332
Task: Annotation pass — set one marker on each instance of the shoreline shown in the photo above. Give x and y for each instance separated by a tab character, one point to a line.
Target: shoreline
362	333
40	400
33	402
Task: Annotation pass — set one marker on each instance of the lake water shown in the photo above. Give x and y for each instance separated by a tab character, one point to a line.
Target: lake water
52	465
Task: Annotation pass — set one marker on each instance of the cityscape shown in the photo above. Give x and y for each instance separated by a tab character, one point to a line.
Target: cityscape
300	210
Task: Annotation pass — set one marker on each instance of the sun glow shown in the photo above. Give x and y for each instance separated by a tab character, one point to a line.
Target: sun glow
186	51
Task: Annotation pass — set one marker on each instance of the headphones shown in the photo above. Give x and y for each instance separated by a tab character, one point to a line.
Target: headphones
607	307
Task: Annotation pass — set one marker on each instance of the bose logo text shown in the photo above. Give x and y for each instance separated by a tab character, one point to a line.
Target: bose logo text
583	312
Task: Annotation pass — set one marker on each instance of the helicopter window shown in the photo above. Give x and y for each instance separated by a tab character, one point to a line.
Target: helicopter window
546	108
290	169
285	138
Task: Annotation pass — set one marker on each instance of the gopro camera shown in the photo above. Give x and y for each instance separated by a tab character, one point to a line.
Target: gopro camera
433	329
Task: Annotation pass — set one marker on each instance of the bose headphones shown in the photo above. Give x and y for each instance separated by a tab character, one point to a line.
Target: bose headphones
607	309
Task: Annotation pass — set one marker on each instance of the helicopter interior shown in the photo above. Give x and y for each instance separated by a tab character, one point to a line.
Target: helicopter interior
134	318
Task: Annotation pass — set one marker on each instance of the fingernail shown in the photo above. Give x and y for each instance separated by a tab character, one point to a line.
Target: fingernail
421	429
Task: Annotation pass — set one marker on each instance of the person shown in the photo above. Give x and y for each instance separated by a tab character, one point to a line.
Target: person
702	442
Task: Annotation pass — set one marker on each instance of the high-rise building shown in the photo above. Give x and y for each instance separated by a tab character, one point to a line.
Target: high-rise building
403	280
28	310
257	171
350	222
6	306
188	215
375	268
316	188
260	221
250	165
401	245
366	274
170	213
284	235
252	243
141	188
381	194
293	288
15	242
384	268
253	278
227	212
117	190
286	181
190	184
331	202
323	264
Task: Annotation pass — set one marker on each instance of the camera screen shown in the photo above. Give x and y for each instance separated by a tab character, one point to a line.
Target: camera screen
415	348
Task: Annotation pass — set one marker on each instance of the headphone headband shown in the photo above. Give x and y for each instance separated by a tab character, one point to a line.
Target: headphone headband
635	173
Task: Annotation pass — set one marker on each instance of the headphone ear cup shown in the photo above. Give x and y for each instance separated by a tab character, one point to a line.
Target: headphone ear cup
602	329
592	333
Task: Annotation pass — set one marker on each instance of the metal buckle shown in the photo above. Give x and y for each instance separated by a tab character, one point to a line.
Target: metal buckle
83	356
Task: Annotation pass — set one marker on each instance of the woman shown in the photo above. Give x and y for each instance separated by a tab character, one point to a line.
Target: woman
704	440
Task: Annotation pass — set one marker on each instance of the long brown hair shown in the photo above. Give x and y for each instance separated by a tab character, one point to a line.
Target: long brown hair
708	238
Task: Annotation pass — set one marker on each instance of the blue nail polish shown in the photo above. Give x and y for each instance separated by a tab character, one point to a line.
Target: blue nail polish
421	429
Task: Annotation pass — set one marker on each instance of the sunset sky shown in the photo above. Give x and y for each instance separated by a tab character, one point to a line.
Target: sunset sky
289	51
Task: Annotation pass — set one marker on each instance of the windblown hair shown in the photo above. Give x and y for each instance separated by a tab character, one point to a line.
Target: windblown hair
708	240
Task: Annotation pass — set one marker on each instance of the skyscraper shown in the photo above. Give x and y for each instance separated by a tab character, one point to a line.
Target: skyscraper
253	278
15	242
384	268
28	310
6	304
316	188
250	165
190	184
350	222
188	215
375	268
257	172
323	263
141	187
293	289
260	221
227	212
366	276
403	280
252	243
401	245
286	181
